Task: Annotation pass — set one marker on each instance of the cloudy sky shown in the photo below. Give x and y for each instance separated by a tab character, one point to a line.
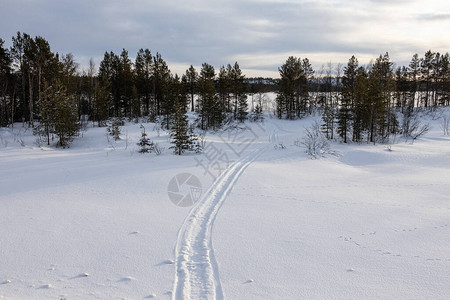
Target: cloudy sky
259	34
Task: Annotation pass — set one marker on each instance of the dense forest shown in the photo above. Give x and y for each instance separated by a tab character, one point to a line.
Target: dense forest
52	94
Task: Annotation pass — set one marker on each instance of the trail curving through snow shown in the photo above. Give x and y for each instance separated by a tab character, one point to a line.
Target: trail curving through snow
197	274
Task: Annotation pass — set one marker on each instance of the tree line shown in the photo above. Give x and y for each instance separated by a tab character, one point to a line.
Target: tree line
48	91
363	102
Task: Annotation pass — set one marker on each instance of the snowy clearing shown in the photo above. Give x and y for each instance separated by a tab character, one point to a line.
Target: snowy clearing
95	221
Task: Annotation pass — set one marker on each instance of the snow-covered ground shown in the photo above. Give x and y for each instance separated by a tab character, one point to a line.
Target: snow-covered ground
96	221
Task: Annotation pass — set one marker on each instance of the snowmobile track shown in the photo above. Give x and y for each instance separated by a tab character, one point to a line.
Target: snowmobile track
197	274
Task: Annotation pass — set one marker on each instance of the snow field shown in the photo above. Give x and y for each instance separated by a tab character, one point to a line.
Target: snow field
95	222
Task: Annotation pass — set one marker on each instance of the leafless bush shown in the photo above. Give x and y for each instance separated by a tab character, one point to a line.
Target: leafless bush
315	143
202	139
38	142
108	138
417	129
157	128
279	146
392	139
4	142
18	137
413	127
445	125
126	139
158	149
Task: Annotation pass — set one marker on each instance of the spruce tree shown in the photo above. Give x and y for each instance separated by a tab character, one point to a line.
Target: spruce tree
145	144
179	135
257	113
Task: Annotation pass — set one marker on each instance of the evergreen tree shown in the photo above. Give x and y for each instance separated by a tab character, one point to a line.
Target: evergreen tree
238	88
308	74
18	56
328	118
58	115
209	108
108	75
161	77
413	74
382	83
145	144
293	96
101	102
30	54
359	108
348	98
143	75
191	80
179	134
223	88
5	74
125	85
426	75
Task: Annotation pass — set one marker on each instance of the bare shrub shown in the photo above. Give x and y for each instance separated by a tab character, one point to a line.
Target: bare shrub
158	149
413	127
445	125
315	143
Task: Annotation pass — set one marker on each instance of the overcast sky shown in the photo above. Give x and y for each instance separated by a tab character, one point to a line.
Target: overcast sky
259	34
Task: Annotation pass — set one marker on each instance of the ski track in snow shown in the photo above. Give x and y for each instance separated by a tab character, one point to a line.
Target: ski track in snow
197	274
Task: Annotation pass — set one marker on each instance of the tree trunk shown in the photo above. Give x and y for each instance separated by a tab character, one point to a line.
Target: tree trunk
30	85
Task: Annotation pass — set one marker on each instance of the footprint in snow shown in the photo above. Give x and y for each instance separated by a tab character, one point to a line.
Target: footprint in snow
166	262
126	279
82	275
45	286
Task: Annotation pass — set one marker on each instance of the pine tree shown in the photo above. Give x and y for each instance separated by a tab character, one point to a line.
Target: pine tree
192	81
242	111
240	97
59	114
328	118
209	109
143	77
413	74
348	98
5	72
360	112
293	95
101	102
223	87
161	77
426	71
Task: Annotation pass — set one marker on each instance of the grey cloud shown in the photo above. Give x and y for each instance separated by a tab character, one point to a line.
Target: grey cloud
188	32
435	17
